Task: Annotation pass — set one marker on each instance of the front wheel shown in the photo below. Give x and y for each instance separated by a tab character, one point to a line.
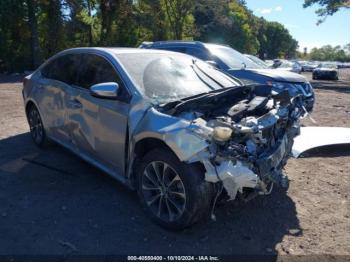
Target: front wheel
173	193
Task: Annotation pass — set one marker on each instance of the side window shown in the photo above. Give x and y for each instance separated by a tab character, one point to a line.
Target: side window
174	49
199	53
95	70
63	68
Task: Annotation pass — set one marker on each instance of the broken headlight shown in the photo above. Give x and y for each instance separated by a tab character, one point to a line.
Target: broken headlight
294	89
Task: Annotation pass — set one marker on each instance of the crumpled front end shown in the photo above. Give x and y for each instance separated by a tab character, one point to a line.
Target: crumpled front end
248	135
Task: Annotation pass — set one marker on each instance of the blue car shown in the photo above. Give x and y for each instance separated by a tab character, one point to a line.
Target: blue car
241	67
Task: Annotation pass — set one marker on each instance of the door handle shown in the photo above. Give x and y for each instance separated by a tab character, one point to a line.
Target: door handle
75	104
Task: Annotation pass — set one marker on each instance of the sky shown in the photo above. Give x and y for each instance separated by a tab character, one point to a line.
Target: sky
301	22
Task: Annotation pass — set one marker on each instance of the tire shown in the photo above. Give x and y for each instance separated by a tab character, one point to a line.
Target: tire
177	198
37	129
314	77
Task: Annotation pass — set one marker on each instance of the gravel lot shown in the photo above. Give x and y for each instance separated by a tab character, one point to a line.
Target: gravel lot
51	202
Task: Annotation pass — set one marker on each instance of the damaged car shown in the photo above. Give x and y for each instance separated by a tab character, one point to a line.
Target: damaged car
176	129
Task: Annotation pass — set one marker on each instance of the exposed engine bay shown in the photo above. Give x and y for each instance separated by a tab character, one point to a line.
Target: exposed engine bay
249	131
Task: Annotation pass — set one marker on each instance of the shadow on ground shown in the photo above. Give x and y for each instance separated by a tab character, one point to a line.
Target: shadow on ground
341	86
54	203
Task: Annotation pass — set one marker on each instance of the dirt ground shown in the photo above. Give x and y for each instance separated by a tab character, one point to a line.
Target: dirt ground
51	202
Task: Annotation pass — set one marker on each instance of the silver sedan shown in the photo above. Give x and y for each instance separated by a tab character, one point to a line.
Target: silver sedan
180	132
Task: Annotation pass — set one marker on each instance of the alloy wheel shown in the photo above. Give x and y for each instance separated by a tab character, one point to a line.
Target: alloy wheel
163	191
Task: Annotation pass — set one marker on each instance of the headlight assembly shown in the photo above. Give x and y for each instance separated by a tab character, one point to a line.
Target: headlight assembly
294	89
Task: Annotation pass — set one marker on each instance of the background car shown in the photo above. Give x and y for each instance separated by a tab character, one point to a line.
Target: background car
285	65
258	61
240	66
326	71
309	66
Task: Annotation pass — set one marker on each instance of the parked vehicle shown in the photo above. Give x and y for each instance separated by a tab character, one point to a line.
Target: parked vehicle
269	63
179	131
258	61
343	65
309	66
286	65
326	71
241	67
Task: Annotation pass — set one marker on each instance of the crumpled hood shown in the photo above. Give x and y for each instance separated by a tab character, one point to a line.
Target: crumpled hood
263	75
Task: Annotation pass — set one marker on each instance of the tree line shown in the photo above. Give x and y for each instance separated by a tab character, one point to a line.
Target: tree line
328	53
33	30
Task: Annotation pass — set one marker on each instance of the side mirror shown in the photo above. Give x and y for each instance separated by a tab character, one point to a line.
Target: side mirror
105	90
213	63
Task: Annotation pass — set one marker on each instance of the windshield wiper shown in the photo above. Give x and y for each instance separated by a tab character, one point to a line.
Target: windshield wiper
194	61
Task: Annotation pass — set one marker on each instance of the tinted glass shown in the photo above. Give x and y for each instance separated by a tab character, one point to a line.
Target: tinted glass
327	65
174	49
63	68
95	70
257	61
169	77
231	57
199	53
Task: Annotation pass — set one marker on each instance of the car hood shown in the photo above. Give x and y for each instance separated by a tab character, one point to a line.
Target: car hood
280	75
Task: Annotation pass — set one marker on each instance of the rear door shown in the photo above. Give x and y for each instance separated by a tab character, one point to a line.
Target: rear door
98	126
53	94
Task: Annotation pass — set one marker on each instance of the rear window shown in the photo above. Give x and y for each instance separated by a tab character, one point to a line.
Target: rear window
63	68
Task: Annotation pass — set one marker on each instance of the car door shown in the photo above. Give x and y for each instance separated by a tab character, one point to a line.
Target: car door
52	95
98	126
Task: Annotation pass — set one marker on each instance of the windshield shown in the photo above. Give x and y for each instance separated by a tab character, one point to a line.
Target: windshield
286	64
327	65
231	57
258	61
167	77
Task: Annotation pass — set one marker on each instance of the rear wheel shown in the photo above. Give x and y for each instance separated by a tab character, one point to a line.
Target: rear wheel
37	130
173	193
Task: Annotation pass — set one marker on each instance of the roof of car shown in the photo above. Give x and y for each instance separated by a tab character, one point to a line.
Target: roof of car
117	50
178	43
173	42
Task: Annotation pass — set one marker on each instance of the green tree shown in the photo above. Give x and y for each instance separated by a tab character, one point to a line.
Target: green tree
276	41
34	34
227	22
328	7
15	51
329	53
33	30
177	12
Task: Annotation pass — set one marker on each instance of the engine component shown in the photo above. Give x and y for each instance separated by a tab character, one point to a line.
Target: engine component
222	134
